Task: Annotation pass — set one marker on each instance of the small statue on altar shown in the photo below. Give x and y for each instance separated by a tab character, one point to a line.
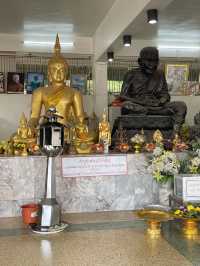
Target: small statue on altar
104	131
178	144
24	138
122	140
176	141
158	137
82	139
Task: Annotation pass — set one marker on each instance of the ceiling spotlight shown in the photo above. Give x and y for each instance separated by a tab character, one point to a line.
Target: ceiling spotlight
127	40
110	56
152	16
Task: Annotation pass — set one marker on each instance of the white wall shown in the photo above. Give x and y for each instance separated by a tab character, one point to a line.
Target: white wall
12	106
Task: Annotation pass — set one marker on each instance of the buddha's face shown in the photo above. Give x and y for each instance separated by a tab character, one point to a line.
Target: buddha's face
57	72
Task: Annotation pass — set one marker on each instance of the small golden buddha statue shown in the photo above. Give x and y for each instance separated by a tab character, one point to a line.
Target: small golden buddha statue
158	137
83	140
65	99
176	141
104	129
23	138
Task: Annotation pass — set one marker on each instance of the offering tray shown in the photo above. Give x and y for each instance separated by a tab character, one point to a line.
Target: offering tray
154	215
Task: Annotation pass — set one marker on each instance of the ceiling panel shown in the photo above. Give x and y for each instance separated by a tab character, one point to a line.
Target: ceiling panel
77	17
179	22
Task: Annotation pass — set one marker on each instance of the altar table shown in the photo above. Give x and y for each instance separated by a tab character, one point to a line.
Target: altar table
22	180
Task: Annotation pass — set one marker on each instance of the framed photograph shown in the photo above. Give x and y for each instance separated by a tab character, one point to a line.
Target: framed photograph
176	75
34	81
79	82
2	82
15	82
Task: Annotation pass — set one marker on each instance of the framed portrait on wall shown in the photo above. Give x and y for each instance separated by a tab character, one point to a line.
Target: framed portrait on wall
34	81
15	82
176	76
79	82
2	82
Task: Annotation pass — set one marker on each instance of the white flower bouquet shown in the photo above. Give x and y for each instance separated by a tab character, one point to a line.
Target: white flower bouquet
138	139
164	165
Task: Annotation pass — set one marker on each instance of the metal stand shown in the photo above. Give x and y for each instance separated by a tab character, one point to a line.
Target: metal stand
50	214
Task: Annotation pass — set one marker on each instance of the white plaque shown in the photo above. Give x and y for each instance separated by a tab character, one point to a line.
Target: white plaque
191	188
94	165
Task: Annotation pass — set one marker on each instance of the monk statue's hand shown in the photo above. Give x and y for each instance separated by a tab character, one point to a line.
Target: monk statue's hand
153	103
163	100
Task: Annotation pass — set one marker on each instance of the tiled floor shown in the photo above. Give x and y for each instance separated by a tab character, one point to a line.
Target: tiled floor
94	239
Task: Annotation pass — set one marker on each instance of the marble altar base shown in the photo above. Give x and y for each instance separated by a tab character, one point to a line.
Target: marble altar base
22	180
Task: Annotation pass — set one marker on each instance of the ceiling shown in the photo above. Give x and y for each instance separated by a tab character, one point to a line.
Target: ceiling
47	17
180	21
178	26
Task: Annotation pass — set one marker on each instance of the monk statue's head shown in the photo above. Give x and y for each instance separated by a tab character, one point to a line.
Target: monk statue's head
57	66
148	59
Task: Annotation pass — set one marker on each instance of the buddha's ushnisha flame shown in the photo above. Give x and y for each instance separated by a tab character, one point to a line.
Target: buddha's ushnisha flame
57	47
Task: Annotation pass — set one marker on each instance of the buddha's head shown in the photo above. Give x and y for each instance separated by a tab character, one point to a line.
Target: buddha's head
57	66
148	59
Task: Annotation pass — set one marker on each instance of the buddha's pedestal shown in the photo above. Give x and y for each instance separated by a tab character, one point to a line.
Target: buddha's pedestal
22	181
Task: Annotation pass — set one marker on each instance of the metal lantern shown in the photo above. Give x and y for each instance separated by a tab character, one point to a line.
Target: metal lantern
51	140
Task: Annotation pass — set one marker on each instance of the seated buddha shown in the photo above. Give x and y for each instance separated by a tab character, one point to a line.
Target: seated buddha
83	140
24	136
145	91
65	99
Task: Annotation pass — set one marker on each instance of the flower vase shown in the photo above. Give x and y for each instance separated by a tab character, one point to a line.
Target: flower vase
137	147
164	191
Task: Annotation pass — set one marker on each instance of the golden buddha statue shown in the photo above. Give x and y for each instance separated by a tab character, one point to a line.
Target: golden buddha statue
65	99
158	137
83	140
104	129
24	138
176	141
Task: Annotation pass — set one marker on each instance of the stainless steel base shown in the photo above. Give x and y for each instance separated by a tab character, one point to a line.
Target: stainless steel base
49	230
50	213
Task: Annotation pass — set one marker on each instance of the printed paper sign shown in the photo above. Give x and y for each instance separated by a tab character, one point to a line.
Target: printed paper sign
94	165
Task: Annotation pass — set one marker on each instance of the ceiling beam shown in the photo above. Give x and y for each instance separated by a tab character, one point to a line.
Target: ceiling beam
119	17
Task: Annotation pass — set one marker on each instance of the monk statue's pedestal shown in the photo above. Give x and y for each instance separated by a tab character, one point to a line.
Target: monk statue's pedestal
149	123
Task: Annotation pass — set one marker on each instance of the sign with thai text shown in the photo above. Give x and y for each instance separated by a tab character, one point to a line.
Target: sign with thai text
94	165
191	188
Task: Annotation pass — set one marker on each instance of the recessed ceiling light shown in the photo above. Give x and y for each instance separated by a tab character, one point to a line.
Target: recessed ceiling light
179	47
127	40
35	43
152	16
110	56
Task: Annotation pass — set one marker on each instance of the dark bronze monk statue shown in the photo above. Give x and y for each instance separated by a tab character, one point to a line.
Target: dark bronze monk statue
145	91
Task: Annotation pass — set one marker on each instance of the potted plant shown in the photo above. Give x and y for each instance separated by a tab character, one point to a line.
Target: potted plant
190	216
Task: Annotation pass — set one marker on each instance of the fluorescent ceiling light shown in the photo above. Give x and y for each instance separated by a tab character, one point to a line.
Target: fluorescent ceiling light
179	47
35	43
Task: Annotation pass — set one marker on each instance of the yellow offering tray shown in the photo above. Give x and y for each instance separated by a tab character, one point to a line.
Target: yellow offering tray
154	218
